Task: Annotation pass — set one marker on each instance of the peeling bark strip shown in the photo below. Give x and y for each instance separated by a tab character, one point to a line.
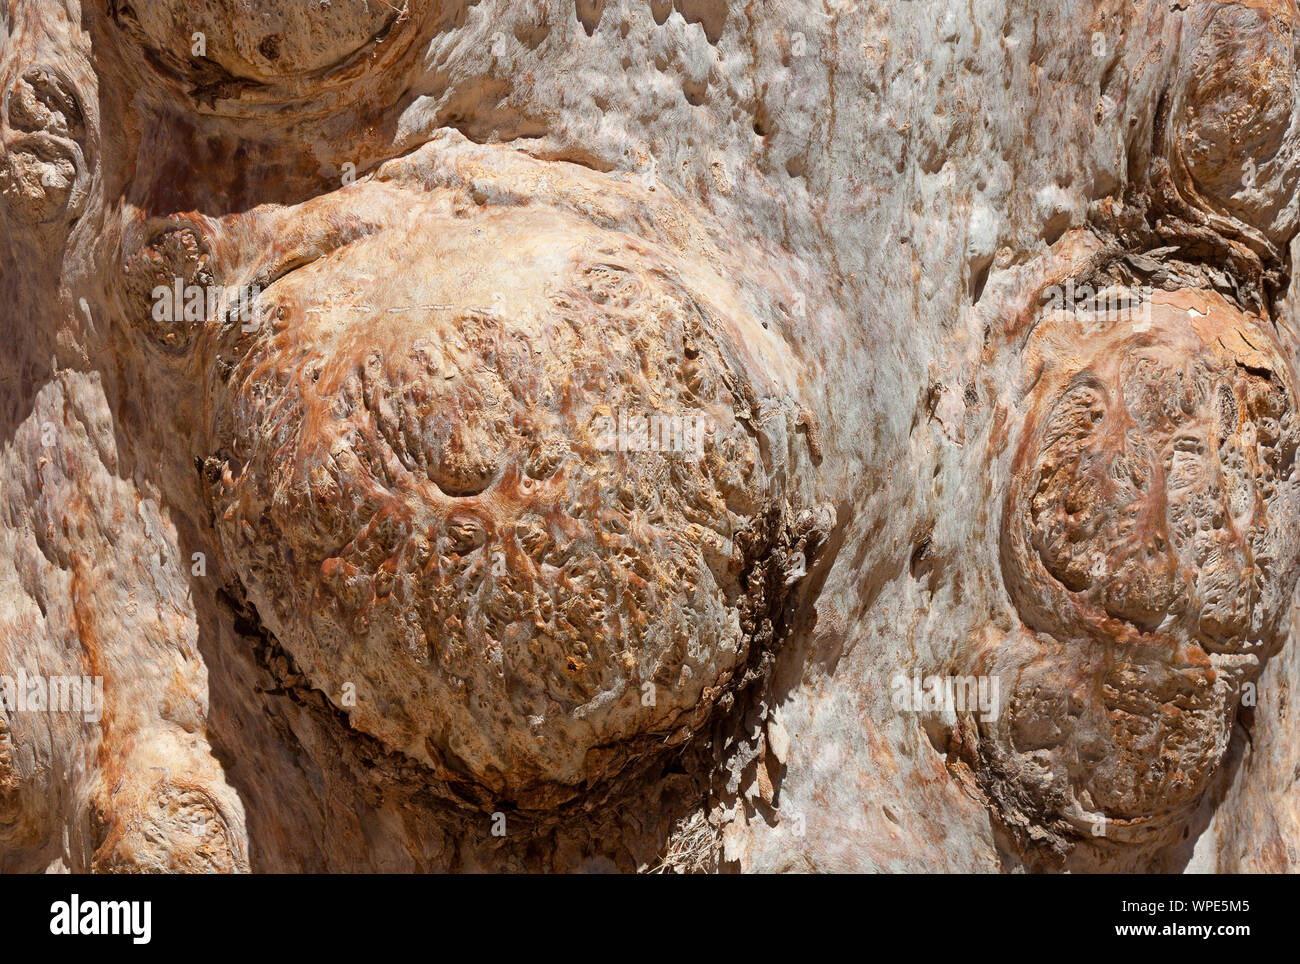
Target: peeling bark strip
675	436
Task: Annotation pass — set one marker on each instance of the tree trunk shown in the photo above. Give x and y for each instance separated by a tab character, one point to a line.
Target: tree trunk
631	435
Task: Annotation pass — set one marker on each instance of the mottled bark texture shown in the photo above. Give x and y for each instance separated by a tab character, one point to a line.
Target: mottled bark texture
985	309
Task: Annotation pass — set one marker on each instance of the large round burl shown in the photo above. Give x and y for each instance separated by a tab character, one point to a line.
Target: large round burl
515	495
1147	546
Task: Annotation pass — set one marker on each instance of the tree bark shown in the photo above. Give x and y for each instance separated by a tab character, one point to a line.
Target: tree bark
679	436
